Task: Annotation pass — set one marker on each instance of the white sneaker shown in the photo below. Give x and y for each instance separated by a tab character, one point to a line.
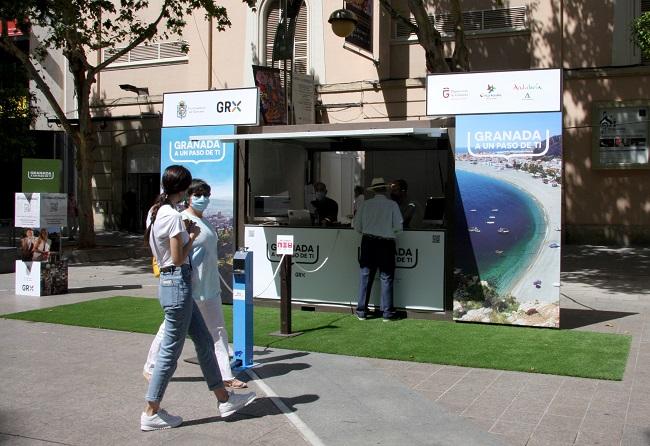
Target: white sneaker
161	420
235	402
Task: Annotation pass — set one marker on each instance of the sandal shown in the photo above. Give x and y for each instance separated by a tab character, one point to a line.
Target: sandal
235	384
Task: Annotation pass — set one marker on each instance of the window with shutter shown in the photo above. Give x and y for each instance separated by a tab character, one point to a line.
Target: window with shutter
486	21
152	53
300	59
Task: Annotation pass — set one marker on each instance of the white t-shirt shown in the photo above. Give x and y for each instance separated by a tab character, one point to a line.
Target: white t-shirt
169	223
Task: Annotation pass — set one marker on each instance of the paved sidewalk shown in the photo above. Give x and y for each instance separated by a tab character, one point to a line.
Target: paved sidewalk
73	385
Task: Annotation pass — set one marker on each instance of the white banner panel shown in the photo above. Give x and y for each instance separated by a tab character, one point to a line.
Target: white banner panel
28	278
213	107
40	210
419	276
494	92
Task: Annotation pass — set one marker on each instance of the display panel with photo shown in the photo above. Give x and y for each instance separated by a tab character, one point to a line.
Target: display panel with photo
622	137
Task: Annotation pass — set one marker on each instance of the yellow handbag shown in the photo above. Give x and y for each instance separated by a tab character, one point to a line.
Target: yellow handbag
155	267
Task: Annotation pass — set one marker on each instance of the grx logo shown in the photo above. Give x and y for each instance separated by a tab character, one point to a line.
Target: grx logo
228	106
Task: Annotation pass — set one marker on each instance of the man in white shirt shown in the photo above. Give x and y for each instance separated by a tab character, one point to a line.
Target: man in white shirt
378	220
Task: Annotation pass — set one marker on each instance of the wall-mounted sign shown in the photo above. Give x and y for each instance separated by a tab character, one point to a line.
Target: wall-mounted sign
362	34
494	92
621	136
41	175
302	94
214	107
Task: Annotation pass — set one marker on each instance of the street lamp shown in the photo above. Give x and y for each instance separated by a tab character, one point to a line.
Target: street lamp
343	22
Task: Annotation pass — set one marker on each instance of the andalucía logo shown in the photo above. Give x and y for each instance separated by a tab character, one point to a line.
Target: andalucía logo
181	109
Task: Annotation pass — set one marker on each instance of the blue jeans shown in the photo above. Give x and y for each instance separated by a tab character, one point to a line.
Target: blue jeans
182	317
367	276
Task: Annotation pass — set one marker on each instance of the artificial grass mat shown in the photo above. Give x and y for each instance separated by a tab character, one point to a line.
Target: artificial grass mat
557	352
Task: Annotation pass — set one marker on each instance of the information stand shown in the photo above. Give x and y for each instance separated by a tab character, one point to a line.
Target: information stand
41	270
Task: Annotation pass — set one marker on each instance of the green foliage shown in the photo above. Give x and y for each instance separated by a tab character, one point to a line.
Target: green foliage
641	33
560	352
76	26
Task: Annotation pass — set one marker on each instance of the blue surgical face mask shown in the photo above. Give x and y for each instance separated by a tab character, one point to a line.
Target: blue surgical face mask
200	203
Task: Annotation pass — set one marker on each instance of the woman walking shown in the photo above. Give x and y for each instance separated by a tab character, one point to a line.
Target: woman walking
171	242
206	288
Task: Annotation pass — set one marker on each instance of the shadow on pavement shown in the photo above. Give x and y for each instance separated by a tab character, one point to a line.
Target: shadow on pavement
617	269
261	407
277	358
95	289
274	369
575	318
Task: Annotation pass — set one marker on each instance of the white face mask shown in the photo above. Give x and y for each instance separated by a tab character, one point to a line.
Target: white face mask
200	203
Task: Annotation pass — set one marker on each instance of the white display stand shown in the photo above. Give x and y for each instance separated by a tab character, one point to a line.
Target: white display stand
419	274
41	210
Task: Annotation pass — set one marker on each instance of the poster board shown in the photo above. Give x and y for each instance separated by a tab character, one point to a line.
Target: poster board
40	210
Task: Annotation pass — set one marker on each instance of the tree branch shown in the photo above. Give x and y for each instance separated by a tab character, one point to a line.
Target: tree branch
398	16
148	34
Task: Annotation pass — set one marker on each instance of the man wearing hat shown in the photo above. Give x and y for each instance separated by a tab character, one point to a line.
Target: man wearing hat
378	220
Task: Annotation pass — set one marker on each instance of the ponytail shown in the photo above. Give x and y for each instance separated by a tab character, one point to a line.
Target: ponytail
175	179
161	200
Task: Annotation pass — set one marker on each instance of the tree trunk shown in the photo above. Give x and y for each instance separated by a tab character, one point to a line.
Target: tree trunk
429	38
460	58
85	164
85	153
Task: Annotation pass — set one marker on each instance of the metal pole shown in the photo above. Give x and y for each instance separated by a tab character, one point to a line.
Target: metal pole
285	295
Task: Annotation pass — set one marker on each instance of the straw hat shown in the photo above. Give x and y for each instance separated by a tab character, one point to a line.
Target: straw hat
377	183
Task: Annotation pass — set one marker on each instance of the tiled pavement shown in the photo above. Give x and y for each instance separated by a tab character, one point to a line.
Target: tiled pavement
603	289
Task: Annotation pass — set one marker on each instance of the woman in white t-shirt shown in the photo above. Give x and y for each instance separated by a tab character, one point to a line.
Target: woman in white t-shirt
41	248
206	288
171	240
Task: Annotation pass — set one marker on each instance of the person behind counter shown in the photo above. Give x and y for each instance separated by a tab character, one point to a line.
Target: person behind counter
411	211
327	210
378	220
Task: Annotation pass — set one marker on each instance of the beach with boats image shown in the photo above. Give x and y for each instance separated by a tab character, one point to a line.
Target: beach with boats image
508	216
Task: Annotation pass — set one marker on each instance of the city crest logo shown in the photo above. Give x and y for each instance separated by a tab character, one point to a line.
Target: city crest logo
181	109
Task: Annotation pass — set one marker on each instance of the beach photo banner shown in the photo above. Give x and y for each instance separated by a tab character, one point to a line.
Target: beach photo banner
201	151
508	218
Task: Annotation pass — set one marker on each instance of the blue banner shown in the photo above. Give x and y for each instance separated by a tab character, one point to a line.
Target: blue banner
201	151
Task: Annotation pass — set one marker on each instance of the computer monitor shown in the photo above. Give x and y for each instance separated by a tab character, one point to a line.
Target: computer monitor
434	212
271	205
299	217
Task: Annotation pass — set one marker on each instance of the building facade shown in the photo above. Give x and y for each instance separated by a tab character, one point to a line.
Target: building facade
379	75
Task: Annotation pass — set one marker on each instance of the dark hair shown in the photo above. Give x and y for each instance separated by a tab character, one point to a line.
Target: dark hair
175	179
401	184
198	186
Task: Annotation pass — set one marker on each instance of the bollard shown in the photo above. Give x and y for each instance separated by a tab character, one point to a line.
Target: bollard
242	309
